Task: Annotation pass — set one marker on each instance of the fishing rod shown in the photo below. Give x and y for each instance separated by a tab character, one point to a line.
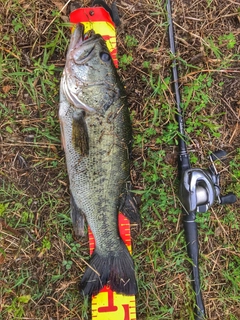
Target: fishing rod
198	188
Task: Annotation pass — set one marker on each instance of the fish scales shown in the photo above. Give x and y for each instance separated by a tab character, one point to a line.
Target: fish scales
96	135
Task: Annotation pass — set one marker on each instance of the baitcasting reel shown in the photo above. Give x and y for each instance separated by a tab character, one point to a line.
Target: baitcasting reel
200	188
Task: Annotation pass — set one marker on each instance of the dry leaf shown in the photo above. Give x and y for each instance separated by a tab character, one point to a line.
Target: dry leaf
6	88
2	258
53	148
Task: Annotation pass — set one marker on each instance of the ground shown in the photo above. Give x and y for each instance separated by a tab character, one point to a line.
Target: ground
41	260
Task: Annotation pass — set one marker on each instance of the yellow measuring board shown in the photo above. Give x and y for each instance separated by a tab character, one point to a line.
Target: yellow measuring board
107	304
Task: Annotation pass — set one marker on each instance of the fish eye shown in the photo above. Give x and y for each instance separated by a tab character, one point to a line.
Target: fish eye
105	57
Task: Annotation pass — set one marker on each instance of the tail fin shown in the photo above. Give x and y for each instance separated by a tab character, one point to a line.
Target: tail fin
116	270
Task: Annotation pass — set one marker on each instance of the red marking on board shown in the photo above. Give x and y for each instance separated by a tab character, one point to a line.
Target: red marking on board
126	311
90	14
110	307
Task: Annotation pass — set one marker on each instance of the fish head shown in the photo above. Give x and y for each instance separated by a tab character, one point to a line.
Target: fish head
90	79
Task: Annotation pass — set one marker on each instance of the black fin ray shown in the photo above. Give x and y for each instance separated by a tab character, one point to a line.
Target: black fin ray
80	137
115	269
77	217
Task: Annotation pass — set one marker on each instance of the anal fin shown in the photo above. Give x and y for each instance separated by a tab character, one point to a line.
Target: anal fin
129	207
77	217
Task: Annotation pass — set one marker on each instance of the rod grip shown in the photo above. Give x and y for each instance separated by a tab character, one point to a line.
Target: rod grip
191	234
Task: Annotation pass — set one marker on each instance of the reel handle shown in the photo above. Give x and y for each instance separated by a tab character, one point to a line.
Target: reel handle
228	198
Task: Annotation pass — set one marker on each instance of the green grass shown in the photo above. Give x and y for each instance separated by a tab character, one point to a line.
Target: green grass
41	261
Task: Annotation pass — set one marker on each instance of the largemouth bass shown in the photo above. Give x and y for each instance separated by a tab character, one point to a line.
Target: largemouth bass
96	136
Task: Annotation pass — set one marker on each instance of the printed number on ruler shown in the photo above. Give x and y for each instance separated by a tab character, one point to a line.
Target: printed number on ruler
109	305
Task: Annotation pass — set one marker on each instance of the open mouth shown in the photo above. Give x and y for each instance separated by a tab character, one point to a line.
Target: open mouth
80	37
82	44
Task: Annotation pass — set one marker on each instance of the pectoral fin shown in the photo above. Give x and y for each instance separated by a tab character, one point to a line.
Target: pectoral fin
77	218
80	138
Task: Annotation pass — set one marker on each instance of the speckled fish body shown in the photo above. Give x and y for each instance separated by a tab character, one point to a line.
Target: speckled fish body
96	135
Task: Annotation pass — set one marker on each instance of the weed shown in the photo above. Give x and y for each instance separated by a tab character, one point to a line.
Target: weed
212	47
228	39
75	247
131	41
67	264
146	64
125	60
17	25
16	308
209	2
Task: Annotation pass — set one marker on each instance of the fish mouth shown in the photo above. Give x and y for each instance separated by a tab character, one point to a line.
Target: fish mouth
80	50
82	44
